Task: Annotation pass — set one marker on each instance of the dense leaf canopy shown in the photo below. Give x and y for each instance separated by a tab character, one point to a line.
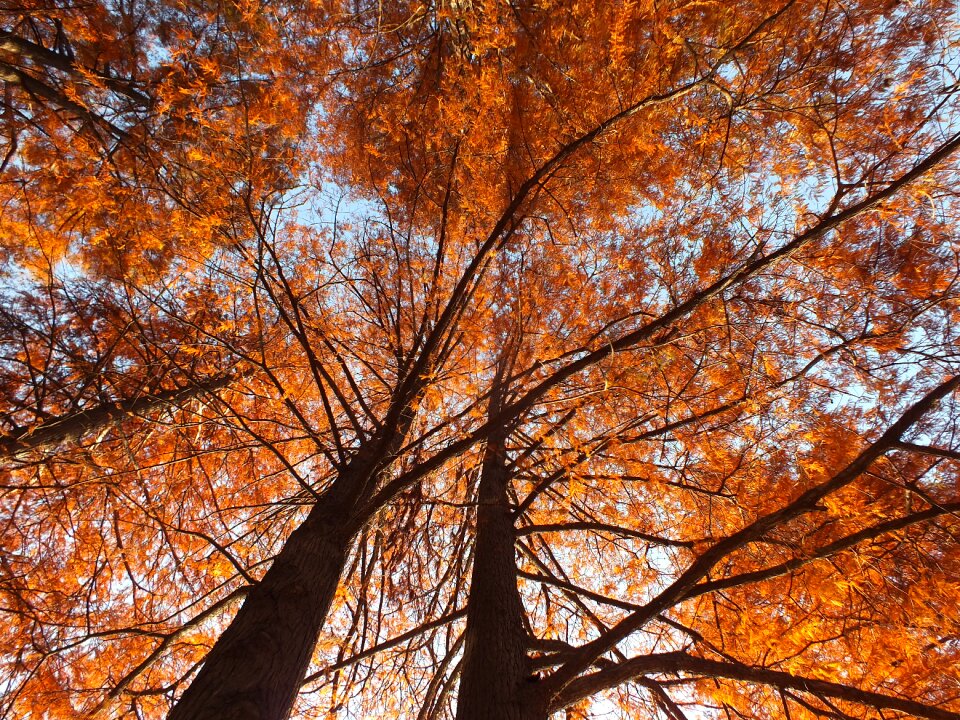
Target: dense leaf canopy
480	359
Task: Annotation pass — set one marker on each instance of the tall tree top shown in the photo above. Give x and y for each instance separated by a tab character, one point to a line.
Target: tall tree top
642	313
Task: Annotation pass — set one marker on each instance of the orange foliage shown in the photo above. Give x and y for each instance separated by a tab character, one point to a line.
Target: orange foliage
694	262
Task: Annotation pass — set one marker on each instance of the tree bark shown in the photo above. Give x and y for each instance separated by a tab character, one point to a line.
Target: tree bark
255	668
495	680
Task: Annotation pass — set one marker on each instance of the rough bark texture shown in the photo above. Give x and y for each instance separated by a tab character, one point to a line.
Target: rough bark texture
255	669
495	680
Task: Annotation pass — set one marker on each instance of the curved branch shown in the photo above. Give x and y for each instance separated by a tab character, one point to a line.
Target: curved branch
72	426
844	543
601	527
679	662
43	56
699	569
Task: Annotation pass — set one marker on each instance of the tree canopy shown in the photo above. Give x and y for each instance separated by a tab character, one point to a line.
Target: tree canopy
472	360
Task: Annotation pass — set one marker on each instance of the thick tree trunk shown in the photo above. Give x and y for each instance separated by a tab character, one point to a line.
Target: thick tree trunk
256	667
254	670
495	681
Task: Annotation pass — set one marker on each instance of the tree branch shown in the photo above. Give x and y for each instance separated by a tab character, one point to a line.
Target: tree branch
844	543
679	662
804	503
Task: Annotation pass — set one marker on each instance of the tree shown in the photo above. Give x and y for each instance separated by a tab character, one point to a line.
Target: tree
503	360
133	128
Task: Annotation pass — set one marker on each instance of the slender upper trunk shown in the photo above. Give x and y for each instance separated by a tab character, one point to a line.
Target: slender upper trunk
495	680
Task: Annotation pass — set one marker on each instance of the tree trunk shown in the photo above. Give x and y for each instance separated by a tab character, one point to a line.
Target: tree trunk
495	680
255	668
